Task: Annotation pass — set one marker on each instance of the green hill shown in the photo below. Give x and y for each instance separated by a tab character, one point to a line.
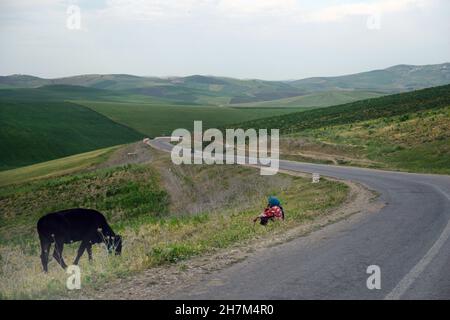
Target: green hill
211	90
191	89
41	130
385	106
62	92
53	121
56	93
408	131
312	100
394	79
110	81
57	167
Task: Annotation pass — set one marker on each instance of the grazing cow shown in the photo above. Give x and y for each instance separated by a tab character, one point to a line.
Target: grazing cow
67	226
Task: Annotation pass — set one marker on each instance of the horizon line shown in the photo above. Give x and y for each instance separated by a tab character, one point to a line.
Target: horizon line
217	76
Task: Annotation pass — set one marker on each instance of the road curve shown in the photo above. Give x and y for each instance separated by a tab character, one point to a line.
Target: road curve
409	239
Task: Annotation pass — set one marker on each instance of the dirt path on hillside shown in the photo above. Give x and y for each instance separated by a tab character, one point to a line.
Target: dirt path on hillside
161	282
133	153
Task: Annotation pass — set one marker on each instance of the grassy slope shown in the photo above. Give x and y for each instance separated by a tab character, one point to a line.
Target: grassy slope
137	201
385	106
73	92
41	130
159	119
418	142
320	99
56	93
405	131
398	78
53	168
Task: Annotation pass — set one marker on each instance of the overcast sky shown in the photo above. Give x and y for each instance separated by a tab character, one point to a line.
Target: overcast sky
266	39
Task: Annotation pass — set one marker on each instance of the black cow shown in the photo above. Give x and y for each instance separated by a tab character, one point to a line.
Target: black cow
67	226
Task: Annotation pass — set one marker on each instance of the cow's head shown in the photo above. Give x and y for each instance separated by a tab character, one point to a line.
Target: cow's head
115	244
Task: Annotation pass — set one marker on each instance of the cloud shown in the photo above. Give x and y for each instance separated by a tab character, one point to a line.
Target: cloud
342	11
291	10
19	8
151	9
257	7
159	9
30	15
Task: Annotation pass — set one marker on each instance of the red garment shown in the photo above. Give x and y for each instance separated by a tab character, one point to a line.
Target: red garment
273	212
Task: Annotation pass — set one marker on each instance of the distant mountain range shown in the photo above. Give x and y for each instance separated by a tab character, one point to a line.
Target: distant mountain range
224	91
394	79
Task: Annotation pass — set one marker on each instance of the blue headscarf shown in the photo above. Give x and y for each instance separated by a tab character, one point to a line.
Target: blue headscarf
273	201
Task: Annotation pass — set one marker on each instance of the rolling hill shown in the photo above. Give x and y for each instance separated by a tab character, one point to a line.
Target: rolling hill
62	92
44	119
407	131
391	80
386	106
191	89
211	90
312	100
54	121
41	130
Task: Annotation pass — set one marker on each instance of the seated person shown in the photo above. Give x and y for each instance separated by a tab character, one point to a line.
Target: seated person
273	211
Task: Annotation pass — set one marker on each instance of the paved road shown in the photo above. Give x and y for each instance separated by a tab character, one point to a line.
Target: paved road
409	239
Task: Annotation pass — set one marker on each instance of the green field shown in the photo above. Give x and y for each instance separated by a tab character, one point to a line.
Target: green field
313	100
74	93
41	130
154	119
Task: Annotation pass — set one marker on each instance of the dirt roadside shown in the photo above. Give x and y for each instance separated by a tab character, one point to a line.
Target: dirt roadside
132	153
162	282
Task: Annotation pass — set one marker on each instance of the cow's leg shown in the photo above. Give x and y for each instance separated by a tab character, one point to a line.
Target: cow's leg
45	250
57	253
89	250
81	249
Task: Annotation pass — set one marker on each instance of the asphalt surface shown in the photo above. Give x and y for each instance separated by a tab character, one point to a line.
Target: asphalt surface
409	239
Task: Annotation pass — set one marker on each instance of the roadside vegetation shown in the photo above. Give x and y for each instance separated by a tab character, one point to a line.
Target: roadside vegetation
165	213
